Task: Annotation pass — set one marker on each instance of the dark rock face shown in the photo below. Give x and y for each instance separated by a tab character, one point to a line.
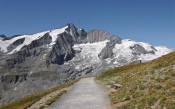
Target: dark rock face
138	50
62	51
13	78
15	44
73	31
44	40
33	49
78	36
98	35
107	51
82	36
8	38
2	36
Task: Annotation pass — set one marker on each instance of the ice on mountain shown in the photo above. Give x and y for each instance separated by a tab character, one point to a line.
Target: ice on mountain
90	51
124	51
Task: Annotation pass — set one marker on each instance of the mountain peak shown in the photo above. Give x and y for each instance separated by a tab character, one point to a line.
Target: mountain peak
70	25
2	36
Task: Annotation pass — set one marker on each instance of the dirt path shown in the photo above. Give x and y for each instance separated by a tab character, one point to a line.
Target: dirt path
85	94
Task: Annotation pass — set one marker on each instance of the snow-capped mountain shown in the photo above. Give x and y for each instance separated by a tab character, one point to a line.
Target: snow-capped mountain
31	63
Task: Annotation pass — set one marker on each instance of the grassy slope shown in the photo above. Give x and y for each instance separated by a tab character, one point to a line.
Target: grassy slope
30	99
144	84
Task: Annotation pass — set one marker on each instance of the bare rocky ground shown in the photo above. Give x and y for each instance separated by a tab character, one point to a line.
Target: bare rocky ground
85	94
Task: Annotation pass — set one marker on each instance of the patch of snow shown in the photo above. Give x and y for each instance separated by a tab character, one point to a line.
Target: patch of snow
90	52
123	51
1	38
30	73
147	46
66	63
108	60
20	84
71	33
54	34
161	50
115	62
28	40
15	88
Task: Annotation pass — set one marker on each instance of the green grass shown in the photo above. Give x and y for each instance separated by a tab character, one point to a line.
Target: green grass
26	101
143	84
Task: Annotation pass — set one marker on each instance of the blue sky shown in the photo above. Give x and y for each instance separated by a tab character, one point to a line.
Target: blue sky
151	21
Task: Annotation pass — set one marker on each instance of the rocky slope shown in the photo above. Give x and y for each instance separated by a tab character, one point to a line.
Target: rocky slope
32	63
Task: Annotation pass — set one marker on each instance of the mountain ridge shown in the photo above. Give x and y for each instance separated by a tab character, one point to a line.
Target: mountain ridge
31	63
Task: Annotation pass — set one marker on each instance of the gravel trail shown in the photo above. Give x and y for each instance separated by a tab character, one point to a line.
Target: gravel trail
85	94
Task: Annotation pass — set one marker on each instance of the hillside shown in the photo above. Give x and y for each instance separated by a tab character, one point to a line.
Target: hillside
145	85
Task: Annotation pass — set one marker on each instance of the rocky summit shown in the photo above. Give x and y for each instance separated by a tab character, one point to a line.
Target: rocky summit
33	63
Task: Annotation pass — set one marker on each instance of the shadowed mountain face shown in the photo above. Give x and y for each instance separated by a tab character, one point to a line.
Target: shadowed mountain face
32	63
